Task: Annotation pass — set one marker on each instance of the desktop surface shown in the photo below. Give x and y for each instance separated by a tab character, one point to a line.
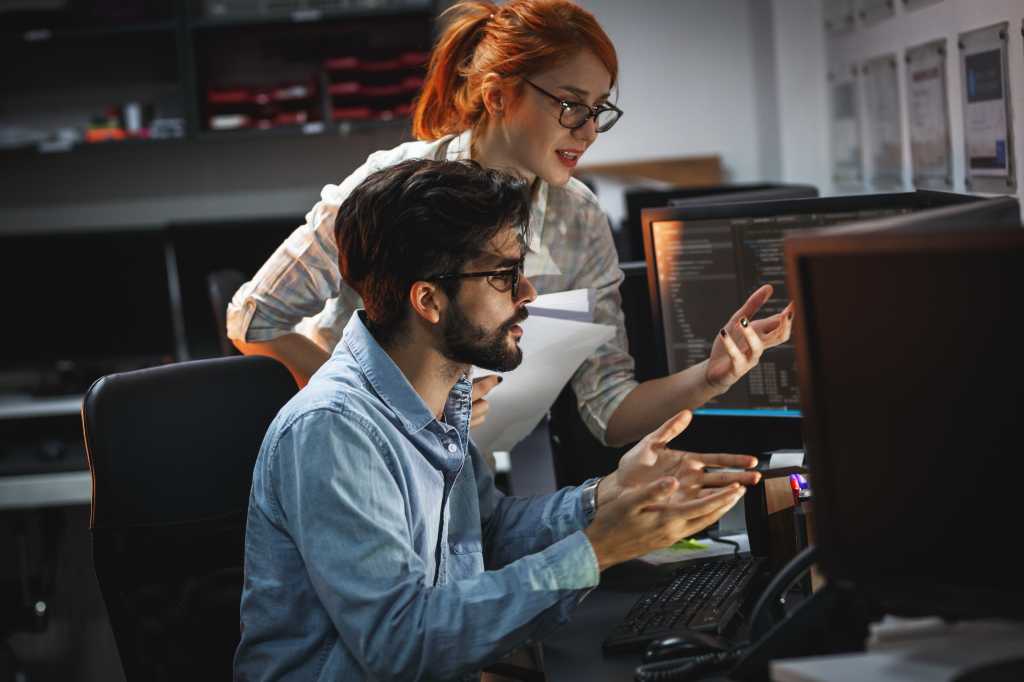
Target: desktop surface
574	652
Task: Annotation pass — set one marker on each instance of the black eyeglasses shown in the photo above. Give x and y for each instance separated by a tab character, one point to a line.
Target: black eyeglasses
574	115
502	280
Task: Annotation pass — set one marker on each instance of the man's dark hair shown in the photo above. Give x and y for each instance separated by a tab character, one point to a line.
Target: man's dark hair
417	219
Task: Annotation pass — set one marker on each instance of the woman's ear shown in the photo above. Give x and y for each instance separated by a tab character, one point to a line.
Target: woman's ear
495	97
427	301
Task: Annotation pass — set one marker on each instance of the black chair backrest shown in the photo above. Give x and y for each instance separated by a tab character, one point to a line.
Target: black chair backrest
171	451
221	286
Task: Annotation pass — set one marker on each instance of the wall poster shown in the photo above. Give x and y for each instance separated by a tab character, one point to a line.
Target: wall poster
873	11
915	4
988	129
847	169
839	16
884	127
931	151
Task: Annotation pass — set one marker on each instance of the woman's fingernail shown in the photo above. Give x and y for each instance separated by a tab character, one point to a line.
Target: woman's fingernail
722	333
743	322
791	314
501	379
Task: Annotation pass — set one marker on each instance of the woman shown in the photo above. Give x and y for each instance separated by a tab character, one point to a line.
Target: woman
524	85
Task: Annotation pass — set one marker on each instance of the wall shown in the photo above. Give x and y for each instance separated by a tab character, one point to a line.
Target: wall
803	92
696	78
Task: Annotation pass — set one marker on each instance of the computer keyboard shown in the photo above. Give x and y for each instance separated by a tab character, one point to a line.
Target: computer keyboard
700	596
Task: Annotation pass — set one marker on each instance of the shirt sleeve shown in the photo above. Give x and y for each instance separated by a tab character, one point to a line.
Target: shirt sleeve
605	378
514	527
301	279
341	502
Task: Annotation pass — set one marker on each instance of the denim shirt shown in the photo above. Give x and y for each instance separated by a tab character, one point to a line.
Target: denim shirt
377	546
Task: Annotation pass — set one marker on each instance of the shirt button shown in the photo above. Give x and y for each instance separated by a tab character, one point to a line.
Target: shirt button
451	447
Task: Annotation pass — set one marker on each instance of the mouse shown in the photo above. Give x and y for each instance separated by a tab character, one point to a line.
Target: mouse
683	644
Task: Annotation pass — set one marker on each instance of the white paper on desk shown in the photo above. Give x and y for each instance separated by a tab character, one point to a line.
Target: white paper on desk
671	555
552	350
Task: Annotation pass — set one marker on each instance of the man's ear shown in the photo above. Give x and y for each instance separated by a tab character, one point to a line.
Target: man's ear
427	301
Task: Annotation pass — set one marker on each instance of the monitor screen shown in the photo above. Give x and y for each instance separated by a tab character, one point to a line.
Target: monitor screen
705	261
203	248
639	199
85	304
912	413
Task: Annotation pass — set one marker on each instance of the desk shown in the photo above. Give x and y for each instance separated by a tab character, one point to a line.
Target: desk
28	482
574	652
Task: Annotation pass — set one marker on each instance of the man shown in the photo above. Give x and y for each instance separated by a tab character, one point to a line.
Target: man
377	546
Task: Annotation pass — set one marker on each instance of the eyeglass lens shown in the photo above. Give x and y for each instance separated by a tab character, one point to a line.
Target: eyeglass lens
576	115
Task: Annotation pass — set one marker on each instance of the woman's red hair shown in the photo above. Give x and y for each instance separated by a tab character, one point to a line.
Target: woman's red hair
515	39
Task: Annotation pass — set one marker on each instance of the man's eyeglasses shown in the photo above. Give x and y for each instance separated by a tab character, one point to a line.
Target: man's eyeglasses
575	115
502	280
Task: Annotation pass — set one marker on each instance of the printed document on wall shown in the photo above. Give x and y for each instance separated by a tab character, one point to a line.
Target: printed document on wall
882	95
930	146
845	134
988	135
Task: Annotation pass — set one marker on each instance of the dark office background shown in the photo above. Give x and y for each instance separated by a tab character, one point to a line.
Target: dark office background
730	79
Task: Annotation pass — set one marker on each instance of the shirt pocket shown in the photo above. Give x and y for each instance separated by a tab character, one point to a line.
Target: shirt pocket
467	559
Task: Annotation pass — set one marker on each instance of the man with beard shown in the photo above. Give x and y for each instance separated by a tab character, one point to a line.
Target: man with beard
377	546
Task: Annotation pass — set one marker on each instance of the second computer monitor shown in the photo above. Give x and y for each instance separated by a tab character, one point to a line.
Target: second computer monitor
913	402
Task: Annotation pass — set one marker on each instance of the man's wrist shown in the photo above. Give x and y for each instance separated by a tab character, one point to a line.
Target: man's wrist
607	489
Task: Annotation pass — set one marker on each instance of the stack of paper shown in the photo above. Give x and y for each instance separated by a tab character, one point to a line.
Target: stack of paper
557	337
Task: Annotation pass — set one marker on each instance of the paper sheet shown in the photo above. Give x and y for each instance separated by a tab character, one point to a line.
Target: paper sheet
552	351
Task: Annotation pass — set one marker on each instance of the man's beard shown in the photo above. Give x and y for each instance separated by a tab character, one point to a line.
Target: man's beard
467	343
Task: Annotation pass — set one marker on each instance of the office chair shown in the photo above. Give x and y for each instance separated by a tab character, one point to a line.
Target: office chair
221	286
171	451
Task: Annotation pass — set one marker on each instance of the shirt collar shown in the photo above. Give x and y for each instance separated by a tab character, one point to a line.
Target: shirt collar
388	381
384	375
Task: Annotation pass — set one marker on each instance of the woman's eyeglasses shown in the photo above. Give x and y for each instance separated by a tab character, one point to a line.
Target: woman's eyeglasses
502	280
575	115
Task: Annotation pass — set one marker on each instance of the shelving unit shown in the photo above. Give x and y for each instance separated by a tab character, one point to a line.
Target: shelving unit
150	72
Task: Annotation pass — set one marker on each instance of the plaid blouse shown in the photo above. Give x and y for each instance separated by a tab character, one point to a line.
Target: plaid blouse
300	288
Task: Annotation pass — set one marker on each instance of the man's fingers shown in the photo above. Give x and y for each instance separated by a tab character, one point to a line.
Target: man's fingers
706	504
719	479
672	427
723	459
655	492
483	385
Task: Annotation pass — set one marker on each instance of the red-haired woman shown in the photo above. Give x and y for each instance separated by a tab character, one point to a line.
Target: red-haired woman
522	85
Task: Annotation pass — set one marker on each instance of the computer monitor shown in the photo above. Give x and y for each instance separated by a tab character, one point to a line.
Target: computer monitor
704	261
639	199
202	248
80	305
913	402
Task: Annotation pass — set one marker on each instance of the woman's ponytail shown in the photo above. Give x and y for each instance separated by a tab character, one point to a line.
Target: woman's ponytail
447	103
